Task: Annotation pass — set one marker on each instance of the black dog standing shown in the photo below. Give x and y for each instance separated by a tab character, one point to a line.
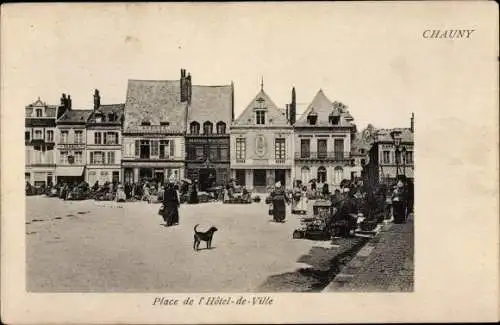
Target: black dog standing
206	236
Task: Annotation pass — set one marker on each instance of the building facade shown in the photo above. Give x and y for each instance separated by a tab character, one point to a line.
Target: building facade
210	113
360	150
262	145
391	156
155	116
39	138
104	142
71	142
323	136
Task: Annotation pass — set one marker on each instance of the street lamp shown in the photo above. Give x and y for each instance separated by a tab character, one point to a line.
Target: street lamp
403	154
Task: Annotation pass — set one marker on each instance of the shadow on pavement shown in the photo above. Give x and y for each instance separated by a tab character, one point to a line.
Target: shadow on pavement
324	265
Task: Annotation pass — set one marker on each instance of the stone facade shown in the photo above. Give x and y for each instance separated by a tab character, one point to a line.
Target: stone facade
323	136
262	145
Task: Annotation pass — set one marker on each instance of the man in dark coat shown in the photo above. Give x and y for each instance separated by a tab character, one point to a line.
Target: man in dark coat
193	194
279	200
171	206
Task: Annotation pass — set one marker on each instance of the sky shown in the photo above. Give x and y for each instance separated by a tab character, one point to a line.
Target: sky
366	65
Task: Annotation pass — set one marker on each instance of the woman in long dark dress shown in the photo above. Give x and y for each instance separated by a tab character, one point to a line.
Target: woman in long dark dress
279	200
171	204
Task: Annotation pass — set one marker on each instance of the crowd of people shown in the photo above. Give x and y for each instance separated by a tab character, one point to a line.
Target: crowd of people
352	203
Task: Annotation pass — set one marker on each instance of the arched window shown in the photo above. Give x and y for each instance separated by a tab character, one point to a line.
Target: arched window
322	174
337	175
305	174
208	128
194	128
221	128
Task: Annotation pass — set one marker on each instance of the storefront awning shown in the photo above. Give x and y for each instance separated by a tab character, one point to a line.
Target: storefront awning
69	171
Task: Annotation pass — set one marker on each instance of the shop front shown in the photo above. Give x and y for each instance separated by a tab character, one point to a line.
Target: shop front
70	175
160	172
208	175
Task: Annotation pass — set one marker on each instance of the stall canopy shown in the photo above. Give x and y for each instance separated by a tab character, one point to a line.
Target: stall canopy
69	171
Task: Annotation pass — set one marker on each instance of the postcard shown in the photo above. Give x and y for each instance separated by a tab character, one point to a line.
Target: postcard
264	162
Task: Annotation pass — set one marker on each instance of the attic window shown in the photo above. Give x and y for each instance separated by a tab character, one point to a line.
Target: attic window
165	123
334	118
362	151
312	118
111	117
145	123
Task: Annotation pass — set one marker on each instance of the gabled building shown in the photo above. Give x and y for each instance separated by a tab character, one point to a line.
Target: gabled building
391	155
71	142
323	136
39	138
154	126
210	113
360	150
104	142
262	145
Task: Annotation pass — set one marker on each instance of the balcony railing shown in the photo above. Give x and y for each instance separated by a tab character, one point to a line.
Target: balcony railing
280	160
323	155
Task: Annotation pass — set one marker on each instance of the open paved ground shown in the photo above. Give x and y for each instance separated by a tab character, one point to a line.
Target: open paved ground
89	246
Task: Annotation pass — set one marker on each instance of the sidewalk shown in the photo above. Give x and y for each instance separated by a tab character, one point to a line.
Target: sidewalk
385	264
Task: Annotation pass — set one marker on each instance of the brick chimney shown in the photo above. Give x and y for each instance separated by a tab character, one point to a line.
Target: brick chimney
293	108
183	84
189	88
69	103
97	99
412	123
232	101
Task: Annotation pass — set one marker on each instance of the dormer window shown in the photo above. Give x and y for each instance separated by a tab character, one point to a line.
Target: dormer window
221	128
98	118
39	112
207	128
334	117
312	118
111	117
194	128
146	123
164	123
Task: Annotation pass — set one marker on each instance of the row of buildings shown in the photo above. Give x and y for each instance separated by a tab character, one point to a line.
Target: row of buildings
173	129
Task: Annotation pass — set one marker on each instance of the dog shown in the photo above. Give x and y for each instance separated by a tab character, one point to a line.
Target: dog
203	236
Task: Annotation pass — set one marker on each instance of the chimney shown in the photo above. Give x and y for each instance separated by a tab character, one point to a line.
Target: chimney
183	86
189	88
97	99
287	113
63	106
70	104
293	108
232	101
412	123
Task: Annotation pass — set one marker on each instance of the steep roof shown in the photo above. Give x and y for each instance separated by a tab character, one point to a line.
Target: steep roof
75	116
154	101
210	103
50	110
384	135
323	107
116	109
275	116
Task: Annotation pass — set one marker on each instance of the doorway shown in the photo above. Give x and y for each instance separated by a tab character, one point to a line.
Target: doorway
241	177
207	178
145	173
159	176
280	176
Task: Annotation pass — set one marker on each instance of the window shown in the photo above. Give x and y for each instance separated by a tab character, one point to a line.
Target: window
27	136
164	152
207	128
144	149
221	128
338	147
98	118
240	149
111	138
260	117
145	123
63	157
97	138
224	153
78	137
78	157
305	148
322	174
38	112
409	157
337	175
111	117
38	134
194	128
64	136
154	147
386	157
200	153
322	148
50	136
312	118
213	154
165	123
280	150
111	157
97	157
305	175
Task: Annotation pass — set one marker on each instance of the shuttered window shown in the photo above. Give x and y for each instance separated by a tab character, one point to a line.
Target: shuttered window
172	148
154	148
137	148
